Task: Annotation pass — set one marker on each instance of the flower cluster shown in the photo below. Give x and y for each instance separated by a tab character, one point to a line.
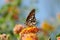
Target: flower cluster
29	30
26	33
29	33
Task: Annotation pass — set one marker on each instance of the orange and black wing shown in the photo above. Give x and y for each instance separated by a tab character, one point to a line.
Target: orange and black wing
31	20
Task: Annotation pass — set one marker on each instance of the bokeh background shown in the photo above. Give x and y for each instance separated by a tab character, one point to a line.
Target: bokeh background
14	12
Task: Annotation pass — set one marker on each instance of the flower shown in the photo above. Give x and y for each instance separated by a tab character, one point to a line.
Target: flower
4	37
29	33
29	36
18	28
46	26
29	30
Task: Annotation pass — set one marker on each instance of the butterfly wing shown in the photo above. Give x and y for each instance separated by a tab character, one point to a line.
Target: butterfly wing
31	20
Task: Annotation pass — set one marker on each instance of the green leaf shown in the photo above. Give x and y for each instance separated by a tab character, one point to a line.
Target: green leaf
58	35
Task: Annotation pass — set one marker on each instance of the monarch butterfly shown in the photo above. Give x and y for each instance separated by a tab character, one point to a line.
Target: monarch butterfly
31	20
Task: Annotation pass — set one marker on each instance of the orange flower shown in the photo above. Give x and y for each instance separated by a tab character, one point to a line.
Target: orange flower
17	29
29	36
29	30
47	27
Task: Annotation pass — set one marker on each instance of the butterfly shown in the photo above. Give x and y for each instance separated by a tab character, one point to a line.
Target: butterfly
31	20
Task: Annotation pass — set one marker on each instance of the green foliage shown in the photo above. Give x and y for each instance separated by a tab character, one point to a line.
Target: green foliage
6	23
58	35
